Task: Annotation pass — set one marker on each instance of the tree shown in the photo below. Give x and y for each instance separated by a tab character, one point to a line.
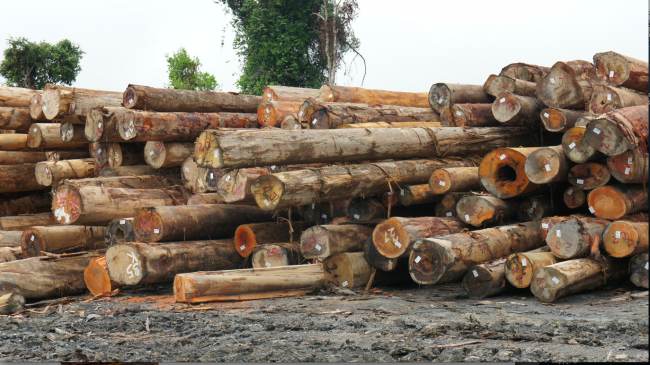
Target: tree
32	65
184	73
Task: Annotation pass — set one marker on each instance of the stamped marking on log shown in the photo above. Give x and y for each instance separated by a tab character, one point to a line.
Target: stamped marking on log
133	265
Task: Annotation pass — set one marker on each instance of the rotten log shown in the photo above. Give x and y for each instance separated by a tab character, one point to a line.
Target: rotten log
560	120
287	93
536	208
96	277
619	131
575	146
249	236
16	178
568	85
274	255
573	238
167	154
502	173
468	115
626	239
59	101
524	71
547	165
102	124
630	167
417	194
483	210
485	280
271	113
507	84
639	270
616	201
607	99
50	173
37	203
48	135
589	175
334	115
446	207
349	94
16	97
119	230
21	222
446	94
327	240
574	197
622	70
62	239
391	125
522	266
17	119
13	142
454	179
512	109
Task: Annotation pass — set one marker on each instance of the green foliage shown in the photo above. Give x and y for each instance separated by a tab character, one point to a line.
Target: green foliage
184	73
32	65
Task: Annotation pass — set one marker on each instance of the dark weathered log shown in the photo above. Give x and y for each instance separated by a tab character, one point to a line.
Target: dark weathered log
630	167
468	115
524	71
16	96
62	239
171	100
274	255
380	261
445	94
639	270
102	124
626	239
48	135
334	115
534	209
512	109
502	172
16	178
616	201
568	85
96	277
119	230
349	94
546	165
50	173
521	267
417	194
134	263
287	93
59	101
249	236
560	120
37	203
446	207
573	238
485	280
272	113
365	209
478	210
607	99
575	146
327	240
589	175
619	131
454	179
13	142
201	199
167	154
622	70
17	119
391	125
574	197
507	84
21	222
316	212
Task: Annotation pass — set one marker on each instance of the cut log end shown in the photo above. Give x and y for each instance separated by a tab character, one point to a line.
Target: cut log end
36	107
97	278
31	243
506	107
314	243
607	203
629	167
546	283
148	225
44	174
606	137
545	165
130	97
207	152
267	115
427	262
94	128
553	119
440	181
66	205
575	145
589	175
439	96
620	239
476	210
574	197
127	128
519	272
639	270
564	239
34	136
270	255
245	241
125	264
347	270
155	154
267	190
390	238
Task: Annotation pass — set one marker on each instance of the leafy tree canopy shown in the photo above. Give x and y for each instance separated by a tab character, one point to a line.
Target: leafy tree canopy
184	73
32	65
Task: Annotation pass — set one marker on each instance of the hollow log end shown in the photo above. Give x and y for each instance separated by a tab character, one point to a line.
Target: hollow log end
267	190
125	264
390	238
43	174
543	165
574	197
148	225
502	173
440	182
606	202
519	271
620	238
67	204
245	241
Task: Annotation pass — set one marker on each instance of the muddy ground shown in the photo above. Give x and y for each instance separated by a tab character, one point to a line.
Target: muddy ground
145	324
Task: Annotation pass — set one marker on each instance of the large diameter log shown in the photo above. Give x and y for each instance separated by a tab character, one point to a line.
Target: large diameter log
249	236
512	109
630	167
521	267
11	253
287	93
13	142
97	205
454	179
48	135
616	201
485	280
524	71
347	270
193	222
172	100
21	222
167	154
447	258
622	70
507	84
16	96
619	131
417	194
71	132
234	186
96	277
47	277
639	270
50	173
607	99
17	119
285	189
574	197
349	94
573	238
394	237
38	203
626	239
60	101
142	126
546	165
535	208
119	230
272	113
589	175
391	125
62	239
468	115
333	115
274	255
560	120
572	276
568	85
445	94
17	178
575	146
102	124
478	210
134	263
446	207
502	172
327	240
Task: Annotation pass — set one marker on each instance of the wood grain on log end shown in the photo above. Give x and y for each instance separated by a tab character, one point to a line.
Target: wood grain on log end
390	238
67	204
626	239
96	277
485	280
347	270
429	260
575	145
630	167
574	197
148	225
589	175
546	165
502	172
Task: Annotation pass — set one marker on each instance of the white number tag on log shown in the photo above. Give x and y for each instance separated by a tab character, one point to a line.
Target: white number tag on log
35	129
156	230
558	233
266	202
534	204
502	100
417	259
629	160
459	113
295	126
502	157
609	97
552	81
556	280
548	167
356	216
345	283
570	192
544	225
99	150
318	247
401	192
314	121
627	171
273	167
475	273
611	73
592	210
399	245
32	237
99	125
227	178
449	214
268	110
646	266
467	217
44	107
211	175
618	234
523	262
216	154
596	130
268	95
242	248
324	216
545	115
573	144
442	183
313	205
187	169
130	101
580	181
268	264
151	153
330	98
300	113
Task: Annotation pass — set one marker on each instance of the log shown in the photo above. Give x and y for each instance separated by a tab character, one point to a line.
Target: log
274	255
124	154
390	199
572	276
327	240
445	94
291	122
575	146
380	261
639	270
574	197
334	115
56	156
447	258
134	263
589	175
607	99
502	172
17	119
102	124
507	84
119	230
319	213
347	270
560	120
127	182
62	239
446	207
271	113
143	126
488	82
234	185
16	96
200	199
417	194
36	107
454	179
126	171
626	239
11	239
485	280
573	238
524	71
50	173
190	173
11	303
619	131
38	203
391	125
616	201
512	109
16	178
21	222
521	267
478	210
547	165
96	277
170	154
287	93
568	85
622	70
13	142
59	101
70	132
21	157
394	237
11	253
301	112
99	206
349	94
365	209
48	135
248	284
158	223
468	115
282	190
630	167
249	236
534	209
48	277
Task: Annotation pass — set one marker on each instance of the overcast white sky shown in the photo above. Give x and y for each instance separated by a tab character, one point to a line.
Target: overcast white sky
408	44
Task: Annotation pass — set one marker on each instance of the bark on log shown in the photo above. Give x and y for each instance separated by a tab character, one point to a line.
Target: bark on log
568	85
16	178
17	119
630	167
444	94
547	165
454	179
119	230
524	71
512	109
287	93
574	197
534	209
96	277
334	115
282	190
327	240
573	238
201	199
50	173
468	115
127	182
11	303
607	99
507	84
572	276
56	156
62	239
619	131
102	124
99	206
16	96
639	270
170	100
485	280
10	239
274	255
589	175
170	154
70	132
13	142
48	277
521	267
194	222
21	222
478	210
11	253
271	113
291	122
488	82
38	203
249	236
447	258
446	207
48	135
59	101
622	70
616	201
626	239
21	157
575	146
560	120
125	171
248	284
417	194
391	125
348	94
134	263
502	172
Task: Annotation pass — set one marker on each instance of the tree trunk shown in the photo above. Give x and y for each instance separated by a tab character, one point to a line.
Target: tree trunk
560	120
171	100
282	190
21	157
16	178
62	239
21	222
521	267
271	113
575	146
16	96
11	253
328	240
287	93
573	238
349	94
524	71
607	99
274	255
194	222
48	135
417	194
568	85
125	154
201	199
442	95
48	277
622	70
291	122
391	125
639	270
170	154
334	115
119	230
572	276
102	124
502	172
508	84
616	201
220	149
99	206
96	277
70	132
626	239
249	236
380	261
485	280
134	263
619	131
547	165
449	180
125	171
395	236
127	182
512	109
447	258
59	101
630	167
347	270
234	186
13	142
468	115
17	119
534	209
589	175
480	211
446	207
574	197
50	173
38	203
